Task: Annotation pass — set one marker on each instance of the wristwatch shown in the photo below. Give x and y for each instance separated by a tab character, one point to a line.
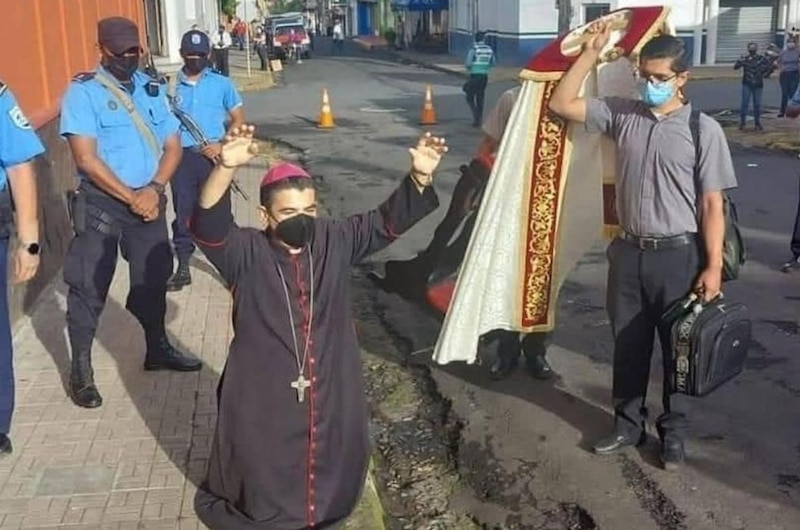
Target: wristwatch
157	186
32	248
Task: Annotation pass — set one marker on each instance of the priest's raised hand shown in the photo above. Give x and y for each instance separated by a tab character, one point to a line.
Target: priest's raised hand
238	147
425	158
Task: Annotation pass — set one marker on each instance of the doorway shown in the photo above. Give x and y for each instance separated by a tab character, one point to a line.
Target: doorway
154	26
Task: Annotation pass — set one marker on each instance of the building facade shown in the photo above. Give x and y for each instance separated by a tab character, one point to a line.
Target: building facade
167	20
717	31
59	40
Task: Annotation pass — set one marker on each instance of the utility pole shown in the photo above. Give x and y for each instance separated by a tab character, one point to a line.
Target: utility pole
564	8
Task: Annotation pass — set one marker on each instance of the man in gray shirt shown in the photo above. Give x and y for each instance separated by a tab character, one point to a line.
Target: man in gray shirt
672	223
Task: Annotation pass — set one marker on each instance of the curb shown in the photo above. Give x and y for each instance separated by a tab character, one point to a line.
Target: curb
463	75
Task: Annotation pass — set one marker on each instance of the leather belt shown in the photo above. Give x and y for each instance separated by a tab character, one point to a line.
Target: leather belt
659	243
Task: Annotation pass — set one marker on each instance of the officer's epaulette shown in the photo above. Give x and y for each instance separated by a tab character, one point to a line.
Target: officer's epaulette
84	76
3	88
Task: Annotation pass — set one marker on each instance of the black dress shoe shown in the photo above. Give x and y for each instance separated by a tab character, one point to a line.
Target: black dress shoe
85	394
539	368
503	367
617	441
182	278
165	357
672	454
5	446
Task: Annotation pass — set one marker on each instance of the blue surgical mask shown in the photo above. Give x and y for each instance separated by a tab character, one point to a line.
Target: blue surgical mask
656	94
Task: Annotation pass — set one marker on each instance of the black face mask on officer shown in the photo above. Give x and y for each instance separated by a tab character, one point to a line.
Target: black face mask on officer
193	64
122	66
296	231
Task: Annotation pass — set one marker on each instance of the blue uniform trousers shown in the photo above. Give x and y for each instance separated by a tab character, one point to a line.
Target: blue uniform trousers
6	350
91	261
189	178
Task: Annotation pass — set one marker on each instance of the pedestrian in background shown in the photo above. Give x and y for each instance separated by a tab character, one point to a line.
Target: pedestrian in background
338	37
789	66
793	264
480	60
19	145
755	68
221	42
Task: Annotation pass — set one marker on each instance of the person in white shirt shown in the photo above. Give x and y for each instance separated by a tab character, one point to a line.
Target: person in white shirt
221	42
338	37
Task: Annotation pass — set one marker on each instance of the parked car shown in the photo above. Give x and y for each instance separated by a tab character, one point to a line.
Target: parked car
286	35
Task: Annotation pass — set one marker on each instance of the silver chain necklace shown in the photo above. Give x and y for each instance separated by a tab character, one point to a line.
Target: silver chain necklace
301	383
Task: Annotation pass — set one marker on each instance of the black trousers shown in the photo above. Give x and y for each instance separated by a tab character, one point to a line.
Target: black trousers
189	178
475	89
509	344
789	82
89	268
220	57
263	56
641	286
795	246
409	278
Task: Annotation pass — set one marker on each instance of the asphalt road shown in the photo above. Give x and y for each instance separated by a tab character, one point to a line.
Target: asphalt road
523	441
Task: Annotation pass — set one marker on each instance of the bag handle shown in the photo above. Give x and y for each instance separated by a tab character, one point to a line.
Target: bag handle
127	102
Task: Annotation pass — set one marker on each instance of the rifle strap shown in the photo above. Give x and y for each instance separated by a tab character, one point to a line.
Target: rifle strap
137	119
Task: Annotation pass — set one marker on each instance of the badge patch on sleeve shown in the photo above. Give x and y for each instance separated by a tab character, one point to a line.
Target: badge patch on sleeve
18	117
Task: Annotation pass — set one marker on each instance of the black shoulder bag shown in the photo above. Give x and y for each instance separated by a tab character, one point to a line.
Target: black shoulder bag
733	253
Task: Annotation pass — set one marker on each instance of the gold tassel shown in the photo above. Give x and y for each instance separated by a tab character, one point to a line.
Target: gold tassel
611	231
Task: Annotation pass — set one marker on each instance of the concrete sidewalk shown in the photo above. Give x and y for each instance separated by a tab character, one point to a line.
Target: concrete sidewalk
454	65
133	463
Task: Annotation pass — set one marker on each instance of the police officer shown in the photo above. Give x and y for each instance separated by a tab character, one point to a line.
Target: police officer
19	145
209	99
126	146
480	60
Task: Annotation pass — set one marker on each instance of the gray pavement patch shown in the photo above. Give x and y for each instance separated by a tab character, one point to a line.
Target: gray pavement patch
75	481
381	110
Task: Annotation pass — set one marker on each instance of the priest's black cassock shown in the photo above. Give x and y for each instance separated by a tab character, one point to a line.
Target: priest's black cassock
278	463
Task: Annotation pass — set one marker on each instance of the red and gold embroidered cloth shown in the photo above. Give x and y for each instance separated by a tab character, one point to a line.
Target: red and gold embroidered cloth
550	194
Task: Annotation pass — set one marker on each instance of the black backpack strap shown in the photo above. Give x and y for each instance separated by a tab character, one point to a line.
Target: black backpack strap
694	128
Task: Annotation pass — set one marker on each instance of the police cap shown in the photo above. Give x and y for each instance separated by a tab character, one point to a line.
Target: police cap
195	42
118	34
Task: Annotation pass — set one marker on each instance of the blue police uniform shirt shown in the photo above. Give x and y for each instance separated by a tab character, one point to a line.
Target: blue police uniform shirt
208	100
89	109
19	143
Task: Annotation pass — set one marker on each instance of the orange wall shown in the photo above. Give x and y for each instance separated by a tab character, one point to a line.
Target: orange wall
46	42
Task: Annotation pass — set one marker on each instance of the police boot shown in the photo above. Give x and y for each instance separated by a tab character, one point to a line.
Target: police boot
161	355
82	389
181	278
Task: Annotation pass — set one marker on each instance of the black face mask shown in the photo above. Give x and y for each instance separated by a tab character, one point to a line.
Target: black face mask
195	65
123	67
752	52
296	231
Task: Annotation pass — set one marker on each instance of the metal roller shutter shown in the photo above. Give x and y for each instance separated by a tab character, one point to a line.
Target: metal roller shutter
743	21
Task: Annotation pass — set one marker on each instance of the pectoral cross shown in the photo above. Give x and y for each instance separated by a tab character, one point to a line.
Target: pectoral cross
300	384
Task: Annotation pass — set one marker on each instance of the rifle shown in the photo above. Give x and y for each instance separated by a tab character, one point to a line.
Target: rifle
187	122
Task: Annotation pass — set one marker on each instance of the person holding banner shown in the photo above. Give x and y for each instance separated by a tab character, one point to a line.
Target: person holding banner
671	220
533	345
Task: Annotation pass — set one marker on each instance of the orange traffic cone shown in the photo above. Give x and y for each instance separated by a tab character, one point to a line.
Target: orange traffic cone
326	116
428	116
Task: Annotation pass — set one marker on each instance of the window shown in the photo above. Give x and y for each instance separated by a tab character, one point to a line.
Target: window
594	11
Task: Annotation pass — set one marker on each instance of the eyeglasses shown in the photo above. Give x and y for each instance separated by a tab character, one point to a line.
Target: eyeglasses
656	79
